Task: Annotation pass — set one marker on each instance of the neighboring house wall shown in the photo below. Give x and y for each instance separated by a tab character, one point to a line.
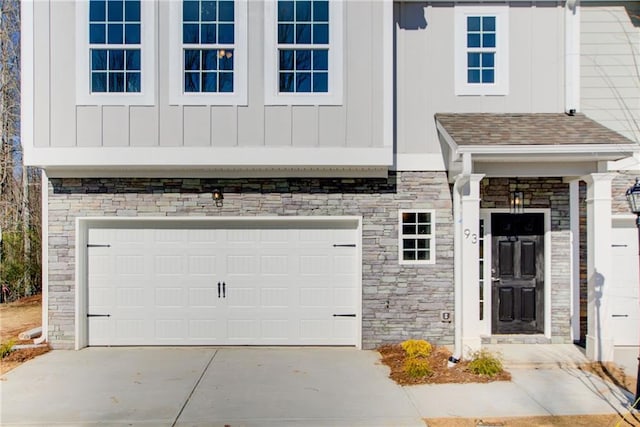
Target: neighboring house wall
610	65
399	301
424	68
59	122
551	193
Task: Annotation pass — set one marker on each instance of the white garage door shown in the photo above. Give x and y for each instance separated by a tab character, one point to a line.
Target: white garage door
231	286
623	291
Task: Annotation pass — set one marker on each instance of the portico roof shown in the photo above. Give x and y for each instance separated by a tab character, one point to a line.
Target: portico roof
529	142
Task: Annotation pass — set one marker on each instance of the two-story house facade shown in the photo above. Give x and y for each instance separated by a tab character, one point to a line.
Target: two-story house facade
295	172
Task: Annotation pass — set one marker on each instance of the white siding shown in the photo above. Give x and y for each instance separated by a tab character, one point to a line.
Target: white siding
59	122
610	65
425	69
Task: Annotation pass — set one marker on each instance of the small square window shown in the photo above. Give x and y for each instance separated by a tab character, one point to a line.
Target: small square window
416	236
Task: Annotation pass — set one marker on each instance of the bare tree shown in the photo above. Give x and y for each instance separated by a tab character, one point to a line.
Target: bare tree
20	266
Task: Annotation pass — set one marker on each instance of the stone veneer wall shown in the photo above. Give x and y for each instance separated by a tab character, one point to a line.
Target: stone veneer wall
399	302
550	193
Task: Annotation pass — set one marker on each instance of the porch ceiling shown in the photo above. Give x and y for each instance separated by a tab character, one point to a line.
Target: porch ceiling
531	140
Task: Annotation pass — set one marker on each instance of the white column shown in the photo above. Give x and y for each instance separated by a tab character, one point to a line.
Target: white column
470	277
599	265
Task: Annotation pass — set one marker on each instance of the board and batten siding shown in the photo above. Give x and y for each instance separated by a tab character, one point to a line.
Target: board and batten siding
610	65
59	122
425	68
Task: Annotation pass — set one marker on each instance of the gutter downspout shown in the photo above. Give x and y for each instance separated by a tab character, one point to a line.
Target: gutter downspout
44	191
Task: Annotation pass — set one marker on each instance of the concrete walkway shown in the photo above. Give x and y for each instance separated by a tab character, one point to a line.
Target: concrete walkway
279	387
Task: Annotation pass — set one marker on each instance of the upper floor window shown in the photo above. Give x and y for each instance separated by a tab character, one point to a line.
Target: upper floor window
115	52
208	52
417	237
481	42
303	52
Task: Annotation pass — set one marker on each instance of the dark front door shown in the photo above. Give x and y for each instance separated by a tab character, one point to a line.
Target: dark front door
517	273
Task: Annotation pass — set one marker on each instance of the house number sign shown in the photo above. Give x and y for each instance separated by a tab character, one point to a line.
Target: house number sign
473	236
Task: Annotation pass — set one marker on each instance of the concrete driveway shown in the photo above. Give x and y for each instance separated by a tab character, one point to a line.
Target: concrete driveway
205	387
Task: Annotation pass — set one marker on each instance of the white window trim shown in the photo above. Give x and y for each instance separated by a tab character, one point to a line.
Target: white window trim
177	96
431	237
501	85
272	96
147	67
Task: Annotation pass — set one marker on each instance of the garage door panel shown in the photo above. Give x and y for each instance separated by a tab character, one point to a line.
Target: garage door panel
622	292
282	286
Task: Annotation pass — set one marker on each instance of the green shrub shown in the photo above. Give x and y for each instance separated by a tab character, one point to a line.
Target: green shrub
6	348
483	362
417	348
416	367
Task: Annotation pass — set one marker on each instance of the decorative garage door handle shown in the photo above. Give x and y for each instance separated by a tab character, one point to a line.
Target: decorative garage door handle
98	315
224	290
344	315
218	289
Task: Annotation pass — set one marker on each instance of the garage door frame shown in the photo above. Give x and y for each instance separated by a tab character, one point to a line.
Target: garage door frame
84	224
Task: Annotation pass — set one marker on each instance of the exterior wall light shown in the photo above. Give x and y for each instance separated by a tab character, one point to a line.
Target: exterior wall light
517	202
218	197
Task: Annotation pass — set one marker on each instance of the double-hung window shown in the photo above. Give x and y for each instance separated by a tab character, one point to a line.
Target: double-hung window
417	237
115	52
303	52
208	52
481	43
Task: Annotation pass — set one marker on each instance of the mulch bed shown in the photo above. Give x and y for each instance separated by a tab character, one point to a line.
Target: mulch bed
394	357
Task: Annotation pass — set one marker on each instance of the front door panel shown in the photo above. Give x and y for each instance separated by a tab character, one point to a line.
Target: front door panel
517	273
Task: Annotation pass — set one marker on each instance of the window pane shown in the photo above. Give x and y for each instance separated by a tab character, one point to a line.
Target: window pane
191	59
191	82
473	76
133	82
408	243
286	82
226	60
320	60
225	13
225	33
303	60
285	33
115	9
98	59
423	255
190	33
285	11
473	40
116	82
190	11
208	33
116	59
209	82
132	33
98	82
303	33
409	255
321	10
208	11
209	59
133	59
97	10
488	76
422	243
408	217
320	82
408	229
424	217
487	60
321	33
132	11
303	11
114	33
424	229
303	82
473	60
489	40
226	82
473	23
97	33
489	23
286	60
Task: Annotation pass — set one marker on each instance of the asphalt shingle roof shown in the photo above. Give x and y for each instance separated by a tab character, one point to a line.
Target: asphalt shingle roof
527	129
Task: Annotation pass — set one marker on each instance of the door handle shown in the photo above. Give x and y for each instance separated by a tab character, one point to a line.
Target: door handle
218	289
224	290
